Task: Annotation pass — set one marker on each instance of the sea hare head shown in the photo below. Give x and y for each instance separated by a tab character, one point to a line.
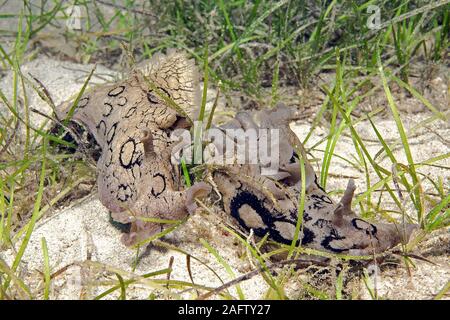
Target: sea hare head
360	237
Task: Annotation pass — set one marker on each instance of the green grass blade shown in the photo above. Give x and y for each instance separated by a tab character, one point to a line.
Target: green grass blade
46	268
418	201
34	216
224	264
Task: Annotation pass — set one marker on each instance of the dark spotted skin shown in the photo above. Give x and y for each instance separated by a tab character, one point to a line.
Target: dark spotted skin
326	225
280	225
319	230
128	118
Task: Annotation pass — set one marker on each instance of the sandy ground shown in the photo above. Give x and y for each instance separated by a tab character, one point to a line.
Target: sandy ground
64	81
80	236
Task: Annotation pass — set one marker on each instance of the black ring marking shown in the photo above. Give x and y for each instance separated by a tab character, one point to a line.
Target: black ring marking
317	183
268	218
98	126
245	197
373	231
294	157
318	201
122	101
322	198
321	223
116	91
109	160
135	158
306	217
111	133
151	97
334	235
83	102
308	236
130	112
126	194
163	178
106	114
